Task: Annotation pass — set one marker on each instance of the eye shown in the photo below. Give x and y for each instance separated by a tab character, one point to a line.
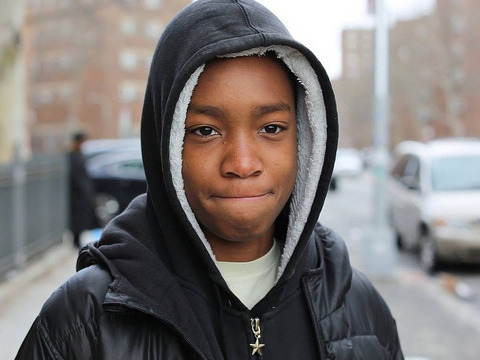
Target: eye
272	129
205	131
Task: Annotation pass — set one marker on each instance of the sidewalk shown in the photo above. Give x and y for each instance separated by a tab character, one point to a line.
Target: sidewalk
433	324
22	297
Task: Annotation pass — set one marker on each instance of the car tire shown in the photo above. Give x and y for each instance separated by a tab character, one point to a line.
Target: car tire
428	253
107	207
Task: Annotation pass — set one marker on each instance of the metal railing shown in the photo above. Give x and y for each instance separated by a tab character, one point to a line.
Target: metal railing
33	208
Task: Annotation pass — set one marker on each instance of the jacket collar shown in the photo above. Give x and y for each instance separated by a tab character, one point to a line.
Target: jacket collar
141	279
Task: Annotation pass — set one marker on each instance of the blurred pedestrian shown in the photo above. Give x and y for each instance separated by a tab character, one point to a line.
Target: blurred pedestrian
223	258
81	190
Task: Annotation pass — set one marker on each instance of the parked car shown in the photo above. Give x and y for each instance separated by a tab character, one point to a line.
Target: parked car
119	177
348	163
94	147
435	200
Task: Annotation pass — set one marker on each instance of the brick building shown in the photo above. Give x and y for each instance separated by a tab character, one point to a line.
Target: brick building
355	88
434	77
435	69
87	65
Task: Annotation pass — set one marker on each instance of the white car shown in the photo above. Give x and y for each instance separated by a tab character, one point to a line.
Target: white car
348	163
434	197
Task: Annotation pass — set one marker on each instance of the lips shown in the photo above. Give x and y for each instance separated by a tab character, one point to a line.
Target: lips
246	196
241	196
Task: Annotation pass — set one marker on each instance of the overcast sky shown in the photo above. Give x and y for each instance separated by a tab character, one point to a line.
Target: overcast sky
318	23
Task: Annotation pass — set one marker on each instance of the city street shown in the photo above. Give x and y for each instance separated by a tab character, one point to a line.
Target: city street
397	82
436	320
438	316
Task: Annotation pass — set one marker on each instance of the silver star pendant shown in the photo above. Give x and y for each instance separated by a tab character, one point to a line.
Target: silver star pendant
257	347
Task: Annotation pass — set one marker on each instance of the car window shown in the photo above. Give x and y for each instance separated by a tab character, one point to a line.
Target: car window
407	171
456	173
399	168
128	168
412	168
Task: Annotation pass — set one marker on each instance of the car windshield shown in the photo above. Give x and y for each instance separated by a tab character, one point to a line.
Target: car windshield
456	173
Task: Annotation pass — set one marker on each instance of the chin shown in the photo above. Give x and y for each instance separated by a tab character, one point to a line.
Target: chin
240	233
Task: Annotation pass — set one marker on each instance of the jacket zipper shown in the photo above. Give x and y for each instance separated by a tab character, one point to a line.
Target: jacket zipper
257	346
317	327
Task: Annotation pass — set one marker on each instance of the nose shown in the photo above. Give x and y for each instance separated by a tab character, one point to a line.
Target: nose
241	158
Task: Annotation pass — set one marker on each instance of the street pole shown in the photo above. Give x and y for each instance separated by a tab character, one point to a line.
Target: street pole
380	256
18	209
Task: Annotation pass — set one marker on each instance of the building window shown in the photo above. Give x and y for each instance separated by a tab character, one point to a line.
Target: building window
458	24
66	3
66	29
153	4
153	29
128	26
125	123
128	92
65	91
65	62
43	97
128	60
351	40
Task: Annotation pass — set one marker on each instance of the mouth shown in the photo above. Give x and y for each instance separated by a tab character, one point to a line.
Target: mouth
243	197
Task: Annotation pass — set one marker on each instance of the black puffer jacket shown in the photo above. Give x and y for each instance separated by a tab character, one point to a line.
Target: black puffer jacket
151	289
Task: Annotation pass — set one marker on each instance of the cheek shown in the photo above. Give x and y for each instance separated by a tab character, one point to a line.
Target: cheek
197	174
292	169
193	187
192	162
285	165
293	166
189	168
290	157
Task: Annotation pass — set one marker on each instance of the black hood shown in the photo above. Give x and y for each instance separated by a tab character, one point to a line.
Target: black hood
205	30
164	229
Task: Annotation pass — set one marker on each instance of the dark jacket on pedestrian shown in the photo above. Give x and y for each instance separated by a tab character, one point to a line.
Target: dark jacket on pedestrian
151	287
82	194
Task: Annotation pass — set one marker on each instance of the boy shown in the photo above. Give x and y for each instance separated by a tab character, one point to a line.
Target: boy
223	257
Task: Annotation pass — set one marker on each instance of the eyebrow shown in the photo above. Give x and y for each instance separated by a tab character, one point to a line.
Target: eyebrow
204	110
271	108
257	111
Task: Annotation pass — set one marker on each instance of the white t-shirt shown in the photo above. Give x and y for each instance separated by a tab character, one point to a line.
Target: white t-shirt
251	281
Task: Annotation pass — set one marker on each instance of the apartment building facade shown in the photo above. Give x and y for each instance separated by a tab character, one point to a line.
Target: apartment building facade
87	66
434	77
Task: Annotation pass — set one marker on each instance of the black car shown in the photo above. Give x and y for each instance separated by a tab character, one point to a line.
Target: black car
119	177
95	147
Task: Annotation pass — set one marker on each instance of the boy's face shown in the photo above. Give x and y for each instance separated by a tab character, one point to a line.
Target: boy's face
240	153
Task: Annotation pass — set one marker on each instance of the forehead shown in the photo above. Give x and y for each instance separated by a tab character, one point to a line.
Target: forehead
267	60
256	72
